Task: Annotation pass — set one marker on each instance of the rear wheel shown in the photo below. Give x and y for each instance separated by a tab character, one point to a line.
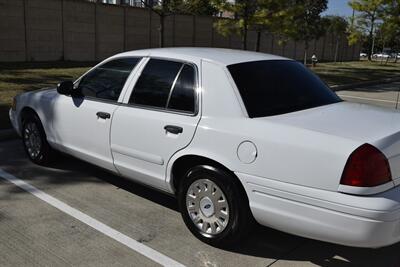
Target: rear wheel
35	141
214	206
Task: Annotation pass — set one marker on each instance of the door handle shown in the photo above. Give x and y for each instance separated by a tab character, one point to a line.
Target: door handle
103	115
173	129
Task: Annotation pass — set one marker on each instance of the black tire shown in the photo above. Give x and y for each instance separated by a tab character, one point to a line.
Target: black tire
240	218
45	152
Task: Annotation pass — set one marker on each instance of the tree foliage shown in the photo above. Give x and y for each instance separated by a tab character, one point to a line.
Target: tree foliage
199	7
164	8
244	12
338	27
307	21
273	16
391	24
368	13
276	17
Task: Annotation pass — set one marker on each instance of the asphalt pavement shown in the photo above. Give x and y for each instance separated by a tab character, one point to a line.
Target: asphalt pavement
385	95
74	214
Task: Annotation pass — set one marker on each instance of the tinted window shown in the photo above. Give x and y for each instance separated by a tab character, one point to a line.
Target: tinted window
183	94
274	87
155	83
107	80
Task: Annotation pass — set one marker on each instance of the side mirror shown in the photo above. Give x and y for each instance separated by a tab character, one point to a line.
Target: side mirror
65	88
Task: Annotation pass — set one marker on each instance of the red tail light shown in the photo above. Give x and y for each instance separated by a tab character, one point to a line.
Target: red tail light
366	167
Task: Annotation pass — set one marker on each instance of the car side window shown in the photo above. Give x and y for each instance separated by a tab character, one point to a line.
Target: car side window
106	81
154	84
183	94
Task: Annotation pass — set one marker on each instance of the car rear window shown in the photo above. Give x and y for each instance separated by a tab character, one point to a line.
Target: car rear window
274	87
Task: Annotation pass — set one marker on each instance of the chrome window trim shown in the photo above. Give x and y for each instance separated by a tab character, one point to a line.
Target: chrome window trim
177	112
173	85
94	99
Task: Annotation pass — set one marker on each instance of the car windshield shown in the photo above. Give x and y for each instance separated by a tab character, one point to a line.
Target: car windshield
274	87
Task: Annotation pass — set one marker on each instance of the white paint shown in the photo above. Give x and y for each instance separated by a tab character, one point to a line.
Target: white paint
358	221
86	219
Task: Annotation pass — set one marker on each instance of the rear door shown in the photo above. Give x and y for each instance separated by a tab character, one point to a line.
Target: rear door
159	118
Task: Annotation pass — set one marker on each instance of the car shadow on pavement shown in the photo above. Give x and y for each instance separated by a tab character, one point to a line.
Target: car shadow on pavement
69	170
262	242
4	120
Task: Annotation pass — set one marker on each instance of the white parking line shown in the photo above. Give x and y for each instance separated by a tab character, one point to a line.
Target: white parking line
366	98
86	219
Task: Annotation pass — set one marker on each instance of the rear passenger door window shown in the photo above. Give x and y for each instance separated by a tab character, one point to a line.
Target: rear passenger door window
155	83
106	81
165	85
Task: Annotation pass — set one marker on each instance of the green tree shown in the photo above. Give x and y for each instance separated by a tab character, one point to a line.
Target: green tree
164	8
244	16
391	25
369	12
199	7
338	27
307	23
273	16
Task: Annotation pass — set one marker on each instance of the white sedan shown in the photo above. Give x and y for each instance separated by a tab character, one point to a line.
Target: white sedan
381	55
235	135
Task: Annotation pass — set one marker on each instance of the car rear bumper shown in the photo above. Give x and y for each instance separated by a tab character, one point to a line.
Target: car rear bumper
359	221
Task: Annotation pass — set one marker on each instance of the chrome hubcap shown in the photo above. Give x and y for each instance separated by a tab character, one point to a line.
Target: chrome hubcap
207	207
32	140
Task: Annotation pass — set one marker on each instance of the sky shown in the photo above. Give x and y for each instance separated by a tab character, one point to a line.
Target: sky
338	7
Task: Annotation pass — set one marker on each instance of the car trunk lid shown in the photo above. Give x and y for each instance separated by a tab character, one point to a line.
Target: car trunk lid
360	122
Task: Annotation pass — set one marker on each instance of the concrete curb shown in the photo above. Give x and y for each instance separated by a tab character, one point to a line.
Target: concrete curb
8	134
368	83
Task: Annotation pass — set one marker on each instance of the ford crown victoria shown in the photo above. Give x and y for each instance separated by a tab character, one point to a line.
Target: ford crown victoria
235	135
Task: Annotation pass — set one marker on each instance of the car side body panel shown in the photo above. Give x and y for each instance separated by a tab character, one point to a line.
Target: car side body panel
80	132
42	102
360	221
285	153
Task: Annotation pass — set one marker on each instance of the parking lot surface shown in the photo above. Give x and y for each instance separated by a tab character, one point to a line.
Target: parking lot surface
62	220
385	95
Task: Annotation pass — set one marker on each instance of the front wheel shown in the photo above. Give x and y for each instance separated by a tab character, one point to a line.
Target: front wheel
214	206
35	141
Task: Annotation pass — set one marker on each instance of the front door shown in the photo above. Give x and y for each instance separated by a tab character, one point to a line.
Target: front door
159	118
82	124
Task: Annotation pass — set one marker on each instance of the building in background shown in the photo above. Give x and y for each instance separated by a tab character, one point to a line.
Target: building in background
135	3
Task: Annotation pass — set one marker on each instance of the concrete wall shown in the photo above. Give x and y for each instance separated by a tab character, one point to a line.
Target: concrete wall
76	30
79	31
12	31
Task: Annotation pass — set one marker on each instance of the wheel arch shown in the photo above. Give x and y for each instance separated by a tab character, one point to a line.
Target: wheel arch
25	112
183	163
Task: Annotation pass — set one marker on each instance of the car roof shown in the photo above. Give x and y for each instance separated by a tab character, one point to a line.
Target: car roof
218	55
